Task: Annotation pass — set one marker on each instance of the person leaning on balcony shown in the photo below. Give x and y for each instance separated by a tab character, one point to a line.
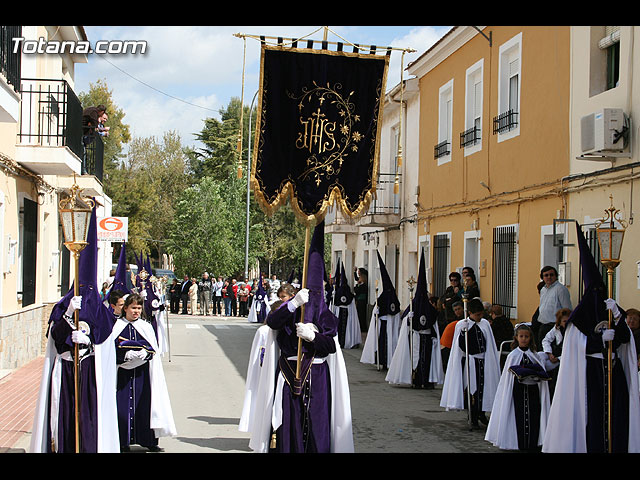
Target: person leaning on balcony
553	297
91	120
102	129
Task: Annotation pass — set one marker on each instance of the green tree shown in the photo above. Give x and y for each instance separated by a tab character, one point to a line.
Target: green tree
207	233
146	187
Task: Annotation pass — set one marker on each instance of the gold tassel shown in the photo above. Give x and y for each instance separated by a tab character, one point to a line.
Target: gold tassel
239	171
396	186
273	441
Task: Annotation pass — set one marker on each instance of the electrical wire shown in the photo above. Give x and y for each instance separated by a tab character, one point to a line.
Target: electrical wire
154	88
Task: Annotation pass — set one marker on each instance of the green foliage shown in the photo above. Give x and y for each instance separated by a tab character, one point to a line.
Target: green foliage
207	232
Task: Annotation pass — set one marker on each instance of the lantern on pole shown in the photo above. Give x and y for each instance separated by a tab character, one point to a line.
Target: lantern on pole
75	215
610	239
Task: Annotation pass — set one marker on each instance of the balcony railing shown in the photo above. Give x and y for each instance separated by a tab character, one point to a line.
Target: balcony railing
51	115
92	163
385	201
470	137
505	121
441	149
9	61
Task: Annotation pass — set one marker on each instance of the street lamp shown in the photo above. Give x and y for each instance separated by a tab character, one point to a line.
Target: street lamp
75	214
610	242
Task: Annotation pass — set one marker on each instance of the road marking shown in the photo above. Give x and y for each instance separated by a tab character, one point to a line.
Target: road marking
192	325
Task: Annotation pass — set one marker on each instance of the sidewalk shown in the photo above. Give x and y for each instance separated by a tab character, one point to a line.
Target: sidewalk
18	393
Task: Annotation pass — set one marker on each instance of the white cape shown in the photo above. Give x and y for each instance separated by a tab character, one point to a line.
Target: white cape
162	421
401	367
502	431
455	382
566	432
371	346
353	335
256	306
163	330
105	366
260	409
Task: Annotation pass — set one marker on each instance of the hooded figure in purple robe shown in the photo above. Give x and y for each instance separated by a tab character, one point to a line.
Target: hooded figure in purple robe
54	422
259	306
304	405
120	277
119	287
581	387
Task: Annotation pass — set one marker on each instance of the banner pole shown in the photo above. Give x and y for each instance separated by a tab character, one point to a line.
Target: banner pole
305	271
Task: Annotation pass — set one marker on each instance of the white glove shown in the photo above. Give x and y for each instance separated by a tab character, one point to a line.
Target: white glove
133	359
80	337
143	293
611	305
306	331
410	315
300	299
74	304
607	335
376	310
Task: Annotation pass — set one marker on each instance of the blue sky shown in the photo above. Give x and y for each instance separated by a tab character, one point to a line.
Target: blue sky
189	72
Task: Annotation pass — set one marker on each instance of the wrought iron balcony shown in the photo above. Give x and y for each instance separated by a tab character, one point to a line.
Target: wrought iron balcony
505	122
51	116
441	149
10	61
470	137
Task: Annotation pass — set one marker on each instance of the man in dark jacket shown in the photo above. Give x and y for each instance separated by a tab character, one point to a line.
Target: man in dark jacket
184	294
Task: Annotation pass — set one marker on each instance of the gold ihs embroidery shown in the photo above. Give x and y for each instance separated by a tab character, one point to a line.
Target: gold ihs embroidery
317	133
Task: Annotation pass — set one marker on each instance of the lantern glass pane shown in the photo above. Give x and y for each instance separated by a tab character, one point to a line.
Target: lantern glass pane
81	223
66	217
616	243
605	244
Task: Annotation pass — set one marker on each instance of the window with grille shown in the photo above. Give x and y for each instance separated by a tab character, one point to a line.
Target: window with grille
441	246
472	135
442	151
507	122
505	262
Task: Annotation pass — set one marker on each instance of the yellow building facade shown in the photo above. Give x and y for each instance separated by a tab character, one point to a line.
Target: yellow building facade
494	148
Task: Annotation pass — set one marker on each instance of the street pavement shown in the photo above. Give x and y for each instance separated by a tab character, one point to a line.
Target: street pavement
206	377
206	371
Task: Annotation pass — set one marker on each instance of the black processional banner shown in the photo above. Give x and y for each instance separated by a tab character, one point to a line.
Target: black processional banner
318	128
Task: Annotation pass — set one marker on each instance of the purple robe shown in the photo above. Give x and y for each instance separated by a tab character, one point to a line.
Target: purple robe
134	395
306	425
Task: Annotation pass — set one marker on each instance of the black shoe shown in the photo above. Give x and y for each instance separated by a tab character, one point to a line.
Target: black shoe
483	419
125	449
155	449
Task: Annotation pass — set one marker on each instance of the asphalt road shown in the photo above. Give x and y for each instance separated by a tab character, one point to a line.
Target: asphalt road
206	378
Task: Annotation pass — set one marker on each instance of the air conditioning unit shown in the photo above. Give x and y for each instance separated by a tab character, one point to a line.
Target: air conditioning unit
603	131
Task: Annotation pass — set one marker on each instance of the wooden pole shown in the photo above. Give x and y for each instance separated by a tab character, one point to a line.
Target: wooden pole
467	358
76	351
305	269
609	362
